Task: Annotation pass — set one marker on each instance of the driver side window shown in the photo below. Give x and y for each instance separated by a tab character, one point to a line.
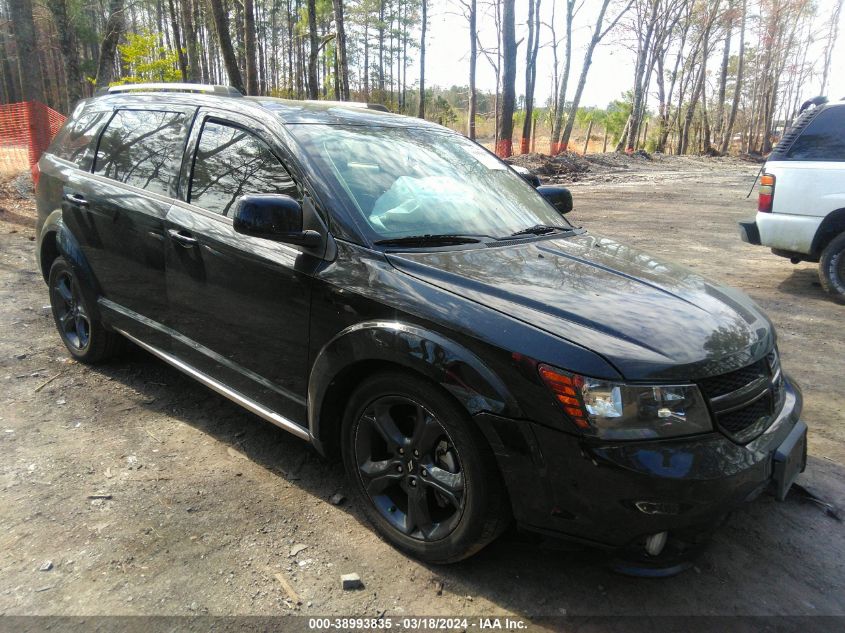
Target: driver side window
231	162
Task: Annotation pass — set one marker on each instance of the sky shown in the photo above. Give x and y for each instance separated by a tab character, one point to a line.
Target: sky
611	73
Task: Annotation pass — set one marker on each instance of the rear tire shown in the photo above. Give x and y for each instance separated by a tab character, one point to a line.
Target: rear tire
76	319
832	268
422	470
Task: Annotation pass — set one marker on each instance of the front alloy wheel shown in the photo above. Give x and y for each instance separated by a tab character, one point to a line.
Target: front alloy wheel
421	468
410	468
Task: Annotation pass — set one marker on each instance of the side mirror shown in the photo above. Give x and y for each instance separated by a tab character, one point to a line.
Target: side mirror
526	174
559	197
273	217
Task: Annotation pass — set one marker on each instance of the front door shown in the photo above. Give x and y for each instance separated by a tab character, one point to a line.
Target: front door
238	305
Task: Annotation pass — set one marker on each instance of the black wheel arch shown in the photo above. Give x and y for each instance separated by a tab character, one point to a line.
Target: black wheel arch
367	348
832	225
56	240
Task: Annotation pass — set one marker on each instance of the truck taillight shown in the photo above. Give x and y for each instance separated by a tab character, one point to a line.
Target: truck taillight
766	194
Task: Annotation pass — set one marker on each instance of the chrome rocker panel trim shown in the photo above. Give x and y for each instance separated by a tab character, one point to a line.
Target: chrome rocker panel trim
223	390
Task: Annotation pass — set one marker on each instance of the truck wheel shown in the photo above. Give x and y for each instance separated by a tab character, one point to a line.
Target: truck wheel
832	268
423	472
82	333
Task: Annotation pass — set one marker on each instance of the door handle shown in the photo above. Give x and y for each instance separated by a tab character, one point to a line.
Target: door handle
183	238
75	198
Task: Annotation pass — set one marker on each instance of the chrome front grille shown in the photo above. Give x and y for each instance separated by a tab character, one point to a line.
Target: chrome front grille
745	401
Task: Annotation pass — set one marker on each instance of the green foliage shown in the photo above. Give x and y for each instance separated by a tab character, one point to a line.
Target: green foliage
615	116
146	59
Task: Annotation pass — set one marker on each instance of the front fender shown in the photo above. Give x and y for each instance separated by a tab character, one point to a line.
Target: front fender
445	362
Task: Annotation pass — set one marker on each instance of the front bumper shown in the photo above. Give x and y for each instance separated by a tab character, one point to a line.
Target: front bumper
615	494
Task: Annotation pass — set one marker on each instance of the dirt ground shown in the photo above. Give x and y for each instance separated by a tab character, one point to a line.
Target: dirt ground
203	503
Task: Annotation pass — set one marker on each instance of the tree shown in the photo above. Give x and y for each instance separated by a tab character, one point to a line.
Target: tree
421	112
224	40
249	46
472	106
313	50
188	29
560	102
504	146
31	80
598	36
728	132
342	51
830	44
530	71
108	47
648	14
70	51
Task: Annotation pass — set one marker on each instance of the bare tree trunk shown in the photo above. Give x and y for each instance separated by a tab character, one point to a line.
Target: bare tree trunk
473	59
177	38
683	142
70	53
556	147
504	147
114	28
640	75
221	26
381	48
830	44
194	72
341	50
530	72
249	48
312	53
598	35
367	57
726	139
421	112
723	78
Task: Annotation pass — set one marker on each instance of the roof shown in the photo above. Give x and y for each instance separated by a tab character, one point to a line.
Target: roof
290	111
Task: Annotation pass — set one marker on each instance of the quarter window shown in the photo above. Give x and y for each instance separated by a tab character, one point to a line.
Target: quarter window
74	141
823	139
142	148
231	162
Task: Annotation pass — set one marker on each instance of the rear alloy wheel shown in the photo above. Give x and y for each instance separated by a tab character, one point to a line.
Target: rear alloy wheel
420	467
82	333
832	268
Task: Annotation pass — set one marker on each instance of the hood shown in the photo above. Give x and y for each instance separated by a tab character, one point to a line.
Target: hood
650	318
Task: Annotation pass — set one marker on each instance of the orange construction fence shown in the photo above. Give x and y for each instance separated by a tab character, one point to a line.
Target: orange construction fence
26	130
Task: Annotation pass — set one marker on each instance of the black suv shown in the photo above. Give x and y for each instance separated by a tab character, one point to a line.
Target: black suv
394	294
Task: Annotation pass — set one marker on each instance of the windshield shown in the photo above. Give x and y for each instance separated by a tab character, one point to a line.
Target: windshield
410	181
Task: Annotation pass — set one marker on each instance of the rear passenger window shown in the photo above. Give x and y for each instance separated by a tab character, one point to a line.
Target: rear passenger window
142	148
231	162
75	140
823	139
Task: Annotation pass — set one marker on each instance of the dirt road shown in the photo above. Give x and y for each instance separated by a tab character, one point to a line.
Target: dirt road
201	503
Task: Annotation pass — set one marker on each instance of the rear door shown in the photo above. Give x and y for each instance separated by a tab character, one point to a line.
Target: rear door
118	213
238	305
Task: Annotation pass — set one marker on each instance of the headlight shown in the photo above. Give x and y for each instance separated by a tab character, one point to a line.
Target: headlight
619	411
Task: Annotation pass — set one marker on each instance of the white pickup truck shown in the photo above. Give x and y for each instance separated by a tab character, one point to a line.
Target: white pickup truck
801	201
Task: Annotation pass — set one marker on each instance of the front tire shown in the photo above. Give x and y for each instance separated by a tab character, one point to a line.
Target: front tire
422	470
82	333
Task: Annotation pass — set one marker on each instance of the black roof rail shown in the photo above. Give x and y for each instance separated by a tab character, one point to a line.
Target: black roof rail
225	91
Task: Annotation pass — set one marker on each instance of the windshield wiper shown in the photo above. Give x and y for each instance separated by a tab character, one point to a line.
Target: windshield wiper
542	229
428	240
